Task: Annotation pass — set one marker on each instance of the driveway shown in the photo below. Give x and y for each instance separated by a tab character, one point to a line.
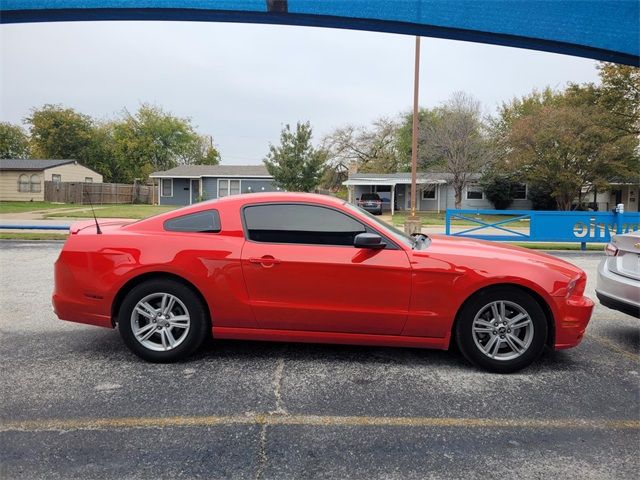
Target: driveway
77	404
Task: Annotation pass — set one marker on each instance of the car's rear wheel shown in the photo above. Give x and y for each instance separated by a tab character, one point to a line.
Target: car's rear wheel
502	330
162	320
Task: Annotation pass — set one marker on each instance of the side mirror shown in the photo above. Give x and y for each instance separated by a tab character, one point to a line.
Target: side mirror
369	240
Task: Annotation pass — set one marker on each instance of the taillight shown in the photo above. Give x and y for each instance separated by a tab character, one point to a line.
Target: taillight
577	285
611	250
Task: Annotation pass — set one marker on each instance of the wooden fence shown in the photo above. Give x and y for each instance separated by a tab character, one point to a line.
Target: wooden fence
79	192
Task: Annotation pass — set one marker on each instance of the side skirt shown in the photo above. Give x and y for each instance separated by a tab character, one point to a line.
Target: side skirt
261	334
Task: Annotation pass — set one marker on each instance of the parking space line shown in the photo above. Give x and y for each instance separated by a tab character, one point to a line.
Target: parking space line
613	346
310	420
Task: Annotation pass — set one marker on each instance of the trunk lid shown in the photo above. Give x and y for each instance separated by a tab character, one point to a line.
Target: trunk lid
106	224
627	260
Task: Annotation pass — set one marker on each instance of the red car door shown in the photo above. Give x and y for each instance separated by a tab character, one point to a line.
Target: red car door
303	273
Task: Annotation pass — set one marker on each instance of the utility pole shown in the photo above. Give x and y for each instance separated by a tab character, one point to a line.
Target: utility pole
413	224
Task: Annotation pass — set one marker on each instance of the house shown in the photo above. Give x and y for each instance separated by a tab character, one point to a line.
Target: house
187	184
434	191
23	179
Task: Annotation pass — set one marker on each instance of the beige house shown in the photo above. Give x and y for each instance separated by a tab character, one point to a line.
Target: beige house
23	179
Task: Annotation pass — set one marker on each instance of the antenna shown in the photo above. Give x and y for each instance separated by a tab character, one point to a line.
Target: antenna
98	231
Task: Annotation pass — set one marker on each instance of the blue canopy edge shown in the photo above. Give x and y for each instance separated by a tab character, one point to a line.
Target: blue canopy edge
607	30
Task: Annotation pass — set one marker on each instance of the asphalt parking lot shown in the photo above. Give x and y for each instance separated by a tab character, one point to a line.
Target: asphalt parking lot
76	404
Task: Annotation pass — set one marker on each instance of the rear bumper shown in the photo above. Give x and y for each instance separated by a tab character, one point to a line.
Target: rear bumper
72	302
618	304
372	209
81	312
618	292
573	315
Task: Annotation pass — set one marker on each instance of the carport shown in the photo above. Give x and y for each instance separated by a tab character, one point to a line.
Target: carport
358	186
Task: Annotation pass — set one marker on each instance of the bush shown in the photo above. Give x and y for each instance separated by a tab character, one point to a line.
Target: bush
541	197
498	190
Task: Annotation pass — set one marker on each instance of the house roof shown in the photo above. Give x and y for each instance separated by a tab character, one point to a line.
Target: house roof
31	164
197	171
423	178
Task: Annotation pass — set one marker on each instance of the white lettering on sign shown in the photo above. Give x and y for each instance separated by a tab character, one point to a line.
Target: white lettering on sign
593	230
601	230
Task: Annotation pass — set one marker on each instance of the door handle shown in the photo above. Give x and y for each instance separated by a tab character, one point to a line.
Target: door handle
267	261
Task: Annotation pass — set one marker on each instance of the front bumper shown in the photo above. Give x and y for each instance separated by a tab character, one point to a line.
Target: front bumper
572	318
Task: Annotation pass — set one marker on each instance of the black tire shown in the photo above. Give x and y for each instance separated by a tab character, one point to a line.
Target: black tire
478	303
198	320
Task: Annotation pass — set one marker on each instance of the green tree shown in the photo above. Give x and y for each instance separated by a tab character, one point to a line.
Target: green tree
573	141
295	164
58	132
203	152
14	142
427	121
152	140
568	149
498	188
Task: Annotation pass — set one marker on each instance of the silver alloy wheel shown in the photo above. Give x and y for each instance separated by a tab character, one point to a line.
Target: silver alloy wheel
160	322
502	330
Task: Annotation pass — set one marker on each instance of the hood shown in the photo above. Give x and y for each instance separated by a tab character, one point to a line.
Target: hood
494	251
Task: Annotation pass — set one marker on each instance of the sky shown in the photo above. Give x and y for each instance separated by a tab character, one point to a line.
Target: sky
242	83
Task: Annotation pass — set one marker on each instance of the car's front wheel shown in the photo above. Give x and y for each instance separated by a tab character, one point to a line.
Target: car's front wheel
162	320
502	330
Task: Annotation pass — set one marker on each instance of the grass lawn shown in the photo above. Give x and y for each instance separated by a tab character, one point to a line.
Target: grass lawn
432	218
19	207
32	236
116	211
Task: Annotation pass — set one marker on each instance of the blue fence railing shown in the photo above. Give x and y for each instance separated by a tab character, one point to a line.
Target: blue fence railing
540	226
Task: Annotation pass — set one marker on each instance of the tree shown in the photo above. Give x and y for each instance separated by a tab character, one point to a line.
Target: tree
498	188
58	132
568	149
295	164
454	141
14	142
151	140
371	149
204	153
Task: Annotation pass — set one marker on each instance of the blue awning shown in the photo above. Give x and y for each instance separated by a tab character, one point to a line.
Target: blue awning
600	29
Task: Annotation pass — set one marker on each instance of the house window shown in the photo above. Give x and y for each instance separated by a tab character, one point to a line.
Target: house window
23	183
166	187
228	187
56	178
520	191
474	192
429	192
88	180
35	183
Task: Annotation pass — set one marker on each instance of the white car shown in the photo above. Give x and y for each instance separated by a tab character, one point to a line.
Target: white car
618	284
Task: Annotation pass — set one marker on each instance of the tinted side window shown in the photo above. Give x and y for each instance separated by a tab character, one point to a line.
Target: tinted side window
201	222
300	224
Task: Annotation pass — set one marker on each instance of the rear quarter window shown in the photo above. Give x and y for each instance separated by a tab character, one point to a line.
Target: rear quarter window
200	222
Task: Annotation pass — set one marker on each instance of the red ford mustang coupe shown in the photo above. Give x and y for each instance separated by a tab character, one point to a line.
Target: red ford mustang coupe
312	268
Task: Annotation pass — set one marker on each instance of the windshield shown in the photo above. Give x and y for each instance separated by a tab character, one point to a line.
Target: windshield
393	232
